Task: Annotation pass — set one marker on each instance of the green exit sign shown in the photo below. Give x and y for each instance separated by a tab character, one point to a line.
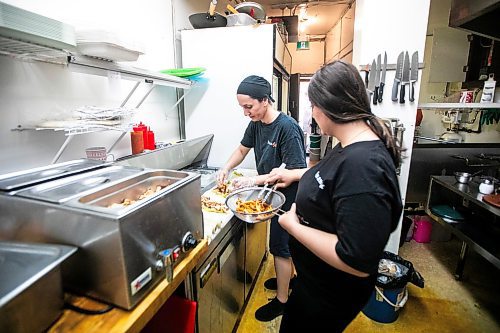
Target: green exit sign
303	45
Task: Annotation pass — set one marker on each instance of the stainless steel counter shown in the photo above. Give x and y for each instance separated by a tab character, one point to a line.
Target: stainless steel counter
480	228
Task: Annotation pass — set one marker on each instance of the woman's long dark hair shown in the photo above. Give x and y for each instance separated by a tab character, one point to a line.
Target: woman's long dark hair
338	90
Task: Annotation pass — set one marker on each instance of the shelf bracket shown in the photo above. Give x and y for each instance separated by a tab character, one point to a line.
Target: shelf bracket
116	142
147	93
177	103
130	94
63	147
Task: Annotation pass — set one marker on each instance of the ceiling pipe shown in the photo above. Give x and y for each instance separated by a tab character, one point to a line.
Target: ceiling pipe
310	3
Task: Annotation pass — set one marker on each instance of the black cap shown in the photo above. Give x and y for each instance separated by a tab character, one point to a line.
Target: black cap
256	87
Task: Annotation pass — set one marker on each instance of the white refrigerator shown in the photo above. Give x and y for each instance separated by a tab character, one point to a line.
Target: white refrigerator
229	54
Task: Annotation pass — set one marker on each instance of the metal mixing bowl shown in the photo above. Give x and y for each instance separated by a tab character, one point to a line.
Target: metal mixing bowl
463	177
276	199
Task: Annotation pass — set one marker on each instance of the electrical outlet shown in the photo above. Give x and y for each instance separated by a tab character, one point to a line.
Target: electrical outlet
433	97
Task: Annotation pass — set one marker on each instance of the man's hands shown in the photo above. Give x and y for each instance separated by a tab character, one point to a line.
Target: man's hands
222	175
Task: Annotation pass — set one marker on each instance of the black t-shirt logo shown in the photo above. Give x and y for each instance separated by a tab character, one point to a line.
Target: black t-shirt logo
272	144
319	180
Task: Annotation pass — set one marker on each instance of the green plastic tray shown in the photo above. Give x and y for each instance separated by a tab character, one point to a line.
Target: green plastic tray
183	72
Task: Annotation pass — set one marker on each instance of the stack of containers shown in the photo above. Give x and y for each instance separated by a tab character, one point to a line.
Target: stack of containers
106	45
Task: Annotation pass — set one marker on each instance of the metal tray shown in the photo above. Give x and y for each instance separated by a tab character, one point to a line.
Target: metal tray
102	200
65	189
31	295
21	179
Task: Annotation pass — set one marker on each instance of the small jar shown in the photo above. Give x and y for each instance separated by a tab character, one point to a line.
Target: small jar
486	187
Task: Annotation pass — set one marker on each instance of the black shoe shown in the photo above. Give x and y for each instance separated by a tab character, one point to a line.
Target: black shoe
272	283
270	311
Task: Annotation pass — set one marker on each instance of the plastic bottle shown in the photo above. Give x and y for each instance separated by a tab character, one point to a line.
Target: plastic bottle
144	130
486	187
151	140
137	142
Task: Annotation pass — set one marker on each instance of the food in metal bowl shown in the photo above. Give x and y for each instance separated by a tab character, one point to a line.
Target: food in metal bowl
252	208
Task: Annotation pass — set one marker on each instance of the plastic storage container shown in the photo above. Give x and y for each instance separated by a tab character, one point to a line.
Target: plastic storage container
423	229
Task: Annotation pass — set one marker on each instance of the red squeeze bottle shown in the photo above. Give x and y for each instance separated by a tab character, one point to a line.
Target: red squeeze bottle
143	128
151	140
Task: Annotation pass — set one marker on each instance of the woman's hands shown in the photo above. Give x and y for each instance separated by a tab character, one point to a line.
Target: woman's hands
284	177
289	219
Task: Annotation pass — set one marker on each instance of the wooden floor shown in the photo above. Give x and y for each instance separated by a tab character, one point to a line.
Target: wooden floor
444	305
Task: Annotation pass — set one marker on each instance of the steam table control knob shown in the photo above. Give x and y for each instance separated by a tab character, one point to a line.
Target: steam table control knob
188	242
166	263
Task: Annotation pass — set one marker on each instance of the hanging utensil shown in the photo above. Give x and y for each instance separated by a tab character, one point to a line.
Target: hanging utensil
406	78
382	79
398	76
371	79
211	19
413	75
378	70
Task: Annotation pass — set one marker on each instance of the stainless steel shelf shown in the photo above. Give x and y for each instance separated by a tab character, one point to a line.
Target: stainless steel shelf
459	106
100	67
27	51
24	50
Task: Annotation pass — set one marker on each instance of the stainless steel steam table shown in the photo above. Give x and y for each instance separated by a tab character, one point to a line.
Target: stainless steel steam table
118	320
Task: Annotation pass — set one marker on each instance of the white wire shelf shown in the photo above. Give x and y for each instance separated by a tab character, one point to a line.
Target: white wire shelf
76	130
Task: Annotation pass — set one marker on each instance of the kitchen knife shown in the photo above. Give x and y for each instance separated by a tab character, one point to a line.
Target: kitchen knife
371	79
382	79
413	75
377	80
406	77
397	77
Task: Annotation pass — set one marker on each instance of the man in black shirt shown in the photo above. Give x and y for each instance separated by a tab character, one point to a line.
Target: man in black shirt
276	138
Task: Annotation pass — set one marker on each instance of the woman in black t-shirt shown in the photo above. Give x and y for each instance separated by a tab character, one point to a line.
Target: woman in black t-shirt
346	206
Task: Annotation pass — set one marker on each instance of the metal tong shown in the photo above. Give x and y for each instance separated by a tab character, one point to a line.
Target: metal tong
266	185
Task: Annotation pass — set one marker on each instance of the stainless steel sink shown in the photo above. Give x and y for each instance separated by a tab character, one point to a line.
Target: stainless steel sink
31	295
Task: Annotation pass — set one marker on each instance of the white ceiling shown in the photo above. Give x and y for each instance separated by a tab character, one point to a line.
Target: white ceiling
323	15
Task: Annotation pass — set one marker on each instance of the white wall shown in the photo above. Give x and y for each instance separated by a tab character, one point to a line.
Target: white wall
339	40
392	26
307	61
432	92
211	107
32	92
